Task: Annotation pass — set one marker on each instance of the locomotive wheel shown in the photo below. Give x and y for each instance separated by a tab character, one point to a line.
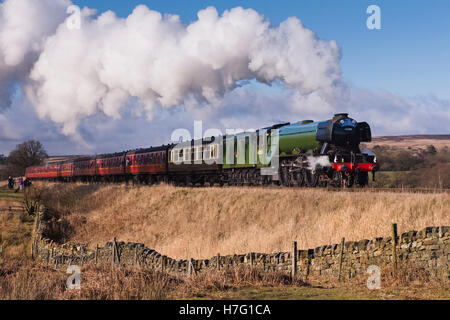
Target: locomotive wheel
362	179
311	179
285	176
300	177
349	181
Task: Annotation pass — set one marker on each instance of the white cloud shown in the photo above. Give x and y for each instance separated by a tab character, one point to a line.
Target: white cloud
165	63
24	27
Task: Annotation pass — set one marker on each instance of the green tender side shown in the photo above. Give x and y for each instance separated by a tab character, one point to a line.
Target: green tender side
293	139
298	137
239	151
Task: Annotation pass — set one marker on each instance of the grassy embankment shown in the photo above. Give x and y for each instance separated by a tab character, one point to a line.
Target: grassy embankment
200	222
182	222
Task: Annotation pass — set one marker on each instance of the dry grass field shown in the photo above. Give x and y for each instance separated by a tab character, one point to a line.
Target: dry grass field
200	222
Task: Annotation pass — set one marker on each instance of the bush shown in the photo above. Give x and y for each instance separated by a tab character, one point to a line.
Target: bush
413	168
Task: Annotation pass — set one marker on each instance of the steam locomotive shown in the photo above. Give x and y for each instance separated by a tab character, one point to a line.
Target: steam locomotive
304	153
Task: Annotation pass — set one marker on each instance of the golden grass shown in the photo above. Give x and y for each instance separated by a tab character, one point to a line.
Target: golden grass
23	279
20	279
200	222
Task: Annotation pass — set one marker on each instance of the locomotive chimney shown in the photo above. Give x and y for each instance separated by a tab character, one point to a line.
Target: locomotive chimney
339	116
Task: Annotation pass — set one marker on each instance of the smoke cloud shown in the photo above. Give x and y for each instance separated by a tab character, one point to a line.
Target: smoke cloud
152	60
24	28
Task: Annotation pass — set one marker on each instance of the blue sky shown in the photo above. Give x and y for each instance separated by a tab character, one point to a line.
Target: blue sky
408	56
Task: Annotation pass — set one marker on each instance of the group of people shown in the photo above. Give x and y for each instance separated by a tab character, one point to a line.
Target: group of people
23	183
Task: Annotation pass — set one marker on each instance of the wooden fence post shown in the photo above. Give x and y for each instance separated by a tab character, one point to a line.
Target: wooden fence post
113	251
136	257
294	258
96	254
189	267
32	249
341	258
394	248
218	261
251	259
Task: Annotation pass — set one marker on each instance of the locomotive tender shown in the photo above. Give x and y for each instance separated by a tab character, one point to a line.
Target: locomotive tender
307	153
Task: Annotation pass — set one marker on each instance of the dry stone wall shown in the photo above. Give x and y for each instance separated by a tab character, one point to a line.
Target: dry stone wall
427	249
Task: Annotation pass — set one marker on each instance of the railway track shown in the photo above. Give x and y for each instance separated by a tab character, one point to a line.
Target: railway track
333	189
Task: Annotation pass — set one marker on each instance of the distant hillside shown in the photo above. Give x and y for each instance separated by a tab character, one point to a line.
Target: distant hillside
411	141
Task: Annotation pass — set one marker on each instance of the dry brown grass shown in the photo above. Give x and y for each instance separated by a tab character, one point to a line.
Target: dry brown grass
24	280
21	279
200	222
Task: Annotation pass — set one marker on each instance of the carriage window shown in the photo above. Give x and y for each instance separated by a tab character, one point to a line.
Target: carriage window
187	154
198	153
177	155
206	153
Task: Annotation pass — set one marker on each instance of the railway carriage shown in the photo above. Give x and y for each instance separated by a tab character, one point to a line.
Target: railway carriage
195	162
110	167
65	171
47	171
84	169
146	165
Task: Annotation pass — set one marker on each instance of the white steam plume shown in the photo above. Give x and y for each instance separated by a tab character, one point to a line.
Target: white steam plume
315	162
163	62
24	27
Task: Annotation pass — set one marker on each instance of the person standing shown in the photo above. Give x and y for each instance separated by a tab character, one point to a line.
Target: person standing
10	182
21	183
